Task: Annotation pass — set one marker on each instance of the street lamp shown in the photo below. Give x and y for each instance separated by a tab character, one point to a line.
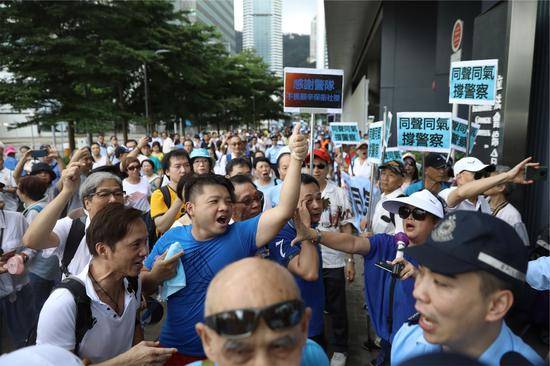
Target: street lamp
146	86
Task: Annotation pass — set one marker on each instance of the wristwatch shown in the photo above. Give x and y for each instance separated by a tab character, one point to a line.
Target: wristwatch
350	260
317	239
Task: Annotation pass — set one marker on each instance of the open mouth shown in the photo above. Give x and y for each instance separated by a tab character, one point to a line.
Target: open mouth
427	324
409	226
223	220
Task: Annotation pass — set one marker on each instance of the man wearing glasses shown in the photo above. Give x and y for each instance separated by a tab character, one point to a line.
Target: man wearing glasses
236	150
249	200
388	293
264	322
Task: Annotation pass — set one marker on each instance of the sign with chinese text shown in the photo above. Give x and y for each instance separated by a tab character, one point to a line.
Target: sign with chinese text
392	153
460	130
473	82
358	189
313	90
375	148
424	131
345	133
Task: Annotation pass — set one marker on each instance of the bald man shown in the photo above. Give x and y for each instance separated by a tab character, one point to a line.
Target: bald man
262	323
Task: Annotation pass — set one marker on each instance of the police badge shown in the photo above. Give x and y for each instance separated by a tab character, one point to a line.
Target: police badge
444	231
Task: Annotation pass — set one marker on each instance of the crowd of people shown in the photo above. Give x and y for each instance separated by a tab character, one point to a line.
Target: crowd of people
248	252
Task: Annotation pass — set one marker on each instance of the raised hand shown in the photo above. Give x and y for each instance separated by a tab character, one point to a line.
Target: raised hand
517	173
302	223
298	144
71	177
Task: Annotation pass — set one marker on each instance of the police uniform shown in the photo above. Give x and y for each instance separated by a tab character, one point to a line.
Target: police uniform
463	242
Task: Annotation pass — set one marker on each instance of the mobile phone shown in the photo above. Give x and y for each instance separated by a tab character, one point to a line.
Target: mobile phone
385	266
39	153
536	173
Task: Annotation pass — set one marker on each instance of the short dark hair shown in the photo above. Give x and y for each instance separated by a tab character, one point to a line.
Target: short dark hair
94	143
489	283
179	153
155	143
181	185
308	179
241	179
237	162
130	140
261	159
110	225
148	161
195	184
33	187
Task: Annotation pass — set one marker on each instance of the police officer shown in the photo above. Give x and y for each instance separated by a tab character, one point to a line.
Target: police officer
469	269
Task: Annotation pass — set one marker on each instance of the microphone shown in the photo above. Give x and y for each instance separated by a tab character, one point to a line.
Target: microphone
402	241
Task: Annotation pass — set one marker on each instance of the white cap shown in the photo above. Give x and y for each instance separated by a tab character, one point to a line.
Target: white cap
470	164
284	150
40	355
423	199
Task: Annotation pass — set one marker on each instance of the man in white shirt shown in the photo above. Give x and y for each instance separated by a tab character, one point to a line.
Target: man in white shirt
117	239
472	181
359	165
16	296
392	174
167	143
236	150
7	191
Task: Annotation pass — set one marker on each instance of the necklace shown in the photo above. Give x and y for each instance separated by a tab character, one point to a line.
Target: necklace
113	302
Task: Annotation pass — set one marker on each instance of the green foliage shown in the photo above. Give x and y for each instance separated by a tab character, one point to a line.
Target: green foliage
83	61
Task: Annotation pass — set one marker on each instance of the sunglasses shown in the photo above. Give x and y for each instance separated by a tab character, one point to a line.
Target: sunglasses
258	197
131	168
241	323
320	166
417	213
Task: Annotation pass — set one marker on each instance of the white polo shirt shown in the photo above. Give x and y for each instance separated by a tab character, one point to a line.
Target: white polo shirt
13	225
481	204
111	334
82	255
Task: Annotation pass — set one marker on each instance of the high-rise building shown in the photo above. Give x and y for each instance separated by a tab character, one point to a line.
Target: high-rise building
217	13
262	31
313	41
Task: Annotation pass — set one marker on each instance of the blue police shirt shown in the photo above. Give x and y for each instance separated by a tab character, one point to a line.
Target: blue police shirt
201	261
419	185
312	355
377	288
538	274
409	342
313	292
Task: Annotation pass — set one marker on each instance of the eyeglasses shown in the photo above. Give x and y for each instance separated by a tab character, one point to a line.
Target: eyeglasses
417	213
258	197
131	168
320	166
241	323
105	194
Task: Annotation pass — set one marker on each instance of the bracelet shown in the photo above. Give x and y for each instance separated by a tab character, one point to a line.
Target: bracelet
350	260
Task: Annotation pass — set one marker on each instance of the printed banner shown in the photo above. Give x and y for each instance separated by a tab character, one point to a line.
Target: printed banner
358	189
393	153
345	133
424	131
473	82
460	130
374	152
313	90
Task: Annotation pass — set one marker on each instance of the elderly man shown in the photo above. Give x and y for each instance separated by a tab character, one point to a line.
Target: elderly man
249	200
392	174
236	150
231	337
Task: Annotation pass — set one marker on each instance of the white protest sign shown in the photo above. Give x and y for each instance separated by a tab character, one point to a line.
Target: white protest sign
393	153
358	189
460	131
374	152
345	133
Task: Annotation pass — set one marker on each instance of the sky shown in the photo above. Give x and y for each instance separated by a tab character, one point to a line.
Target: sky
297	15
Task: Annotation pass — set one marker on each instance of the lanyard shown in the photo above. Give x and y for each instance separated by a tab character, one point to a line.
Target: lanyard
2	232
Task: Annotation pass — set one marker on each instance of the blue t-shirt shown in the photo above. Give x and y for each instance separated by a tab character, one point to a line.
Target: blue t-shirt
312	355
313	292
201	261
377	288
419	185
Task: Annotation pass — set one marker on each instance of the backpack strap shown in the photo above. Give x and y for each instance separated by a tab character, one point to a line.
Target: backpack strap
165	190
84	320
76	233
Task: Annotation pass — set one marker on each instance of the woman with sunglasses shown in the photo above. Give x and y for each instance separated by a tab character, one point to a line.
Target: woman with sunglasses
137	188
411	170
391	288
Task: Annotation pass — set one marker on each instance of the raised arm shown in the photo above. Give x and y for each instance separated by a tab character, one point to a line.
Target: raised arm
477	187
20	165
273	220
79	154
40	234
